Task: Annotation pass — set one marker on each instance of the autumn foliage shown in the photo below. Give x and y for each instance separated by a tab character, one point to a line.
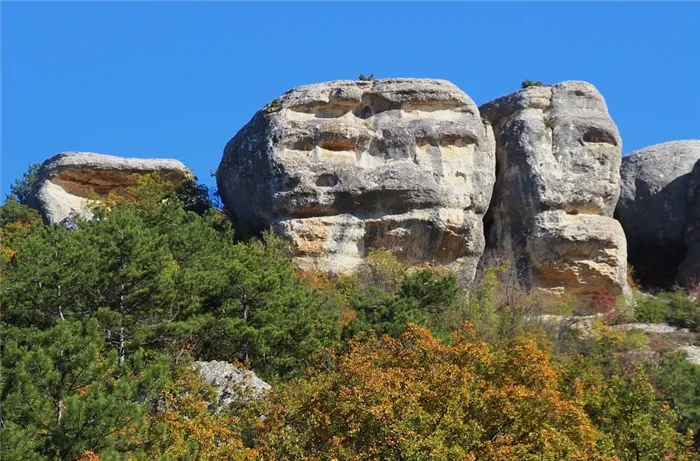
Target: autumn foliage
102	321
416	397
188	427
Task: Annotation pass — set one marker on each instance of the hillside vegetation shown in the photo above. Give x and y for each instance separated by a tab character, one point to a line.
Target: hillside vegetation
101	323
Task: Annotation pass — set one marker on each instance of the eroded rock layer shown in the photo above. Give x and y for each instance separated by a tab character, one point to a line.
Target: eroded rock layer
67	179
558	155
656	197
345	166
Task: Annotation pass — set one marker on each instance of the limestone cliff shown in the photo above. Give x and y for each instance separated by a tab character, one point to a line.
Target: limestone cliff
558	154
345	166
415	167
67	179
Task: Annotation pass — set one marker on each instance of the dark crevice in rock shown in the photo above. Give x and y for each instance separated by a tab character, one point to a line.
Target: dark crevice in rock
595	134
365	112
290	183
327	180
655	264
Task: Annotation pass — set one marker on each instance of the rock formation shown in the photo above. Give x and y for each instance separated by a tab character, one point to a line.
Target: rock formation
658	210
413	166
689	271
345	166
232	384
655	198
67	179
558	157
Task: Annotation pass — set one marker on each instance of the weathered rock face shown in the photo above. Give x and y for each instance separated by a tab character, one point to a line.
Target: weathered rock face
558	155
655	197
689	270
232	384
66	179
342	167
581	253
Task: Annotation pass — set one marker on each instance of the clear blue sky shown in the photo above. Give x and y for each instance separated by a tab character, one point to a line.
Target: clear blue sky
179	79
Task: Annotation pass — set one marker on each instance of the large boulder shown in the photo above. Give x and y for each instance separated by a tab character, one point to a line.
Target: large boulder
688	273
558	155
654	201
67	181
341	167
232	383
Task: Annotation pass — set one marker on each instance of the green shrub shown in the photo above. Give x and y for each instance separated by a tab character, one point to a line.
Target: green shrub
384	313
528	83
649	309
681	310
679	383
675	307
432	291
381	270
422	298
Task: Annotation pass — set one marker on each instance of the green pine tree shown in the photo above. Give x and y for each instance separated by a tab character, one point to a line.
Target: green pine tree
22	188
63	396
135	282
49	277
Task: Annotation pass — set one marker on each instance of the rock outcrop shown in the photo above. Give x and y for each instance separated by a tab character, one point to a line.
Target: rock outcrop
655	198
558	154
689	271
345	166
232	384
67	179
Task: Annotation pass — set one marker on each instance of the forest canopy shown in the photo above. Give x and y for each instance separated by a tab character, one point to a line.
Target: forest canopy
102	322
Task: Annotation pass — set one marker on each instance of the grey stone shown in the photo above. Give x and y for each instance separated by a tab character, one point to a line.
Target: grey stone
71	222
67	179
345	166
650	327
652	209
558	155
580	253
689	271
232	383
693	354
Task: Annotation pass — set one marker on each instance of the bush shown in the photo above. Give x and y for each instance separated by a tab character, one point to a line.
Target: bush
381	270
679	383
422	298
151	189
649	309
605	303
676	307
681	310
528	83
416	398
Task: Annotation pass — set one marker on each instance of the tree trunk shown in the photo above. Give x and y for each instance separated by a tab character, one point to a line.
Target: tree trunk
122	335
60	307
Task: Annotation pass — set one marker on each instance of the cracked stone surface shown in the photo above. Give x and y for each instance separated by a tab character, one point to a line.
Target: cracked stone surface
341	167
558	154
233	384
